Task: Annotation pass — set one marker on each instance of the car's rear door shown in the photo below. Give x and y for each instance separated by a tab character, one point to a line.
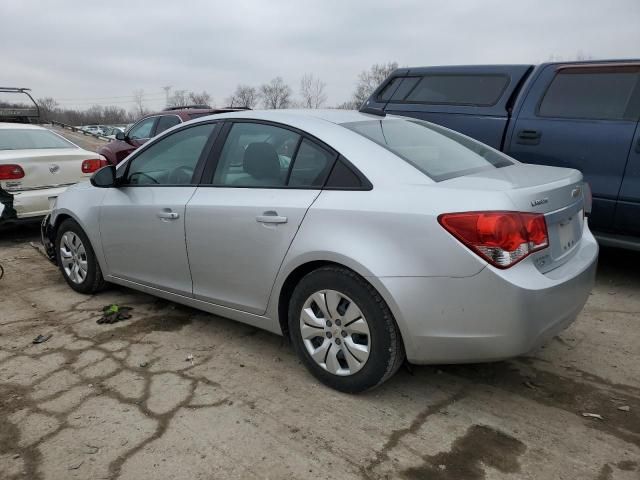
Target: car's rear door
473	100
581	116
240	226
142	221
627	220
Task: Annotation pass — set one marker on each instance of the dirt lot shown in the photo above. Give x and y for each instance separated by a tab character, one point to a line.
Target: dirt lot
122	401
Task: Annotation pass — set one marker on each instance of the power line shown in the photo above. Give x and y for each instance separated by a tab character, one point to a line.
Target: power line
105	98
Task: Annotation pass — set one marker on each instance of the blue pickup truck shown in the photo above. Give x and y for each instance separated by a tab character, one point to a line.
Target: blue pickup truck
583	115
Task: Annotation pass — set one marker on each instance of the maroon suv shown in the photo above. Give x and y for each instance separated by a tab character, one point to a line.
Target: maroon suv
151	125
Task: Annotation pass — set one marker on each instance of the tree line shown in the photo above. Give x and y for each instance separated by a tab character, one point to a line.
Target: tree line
274	94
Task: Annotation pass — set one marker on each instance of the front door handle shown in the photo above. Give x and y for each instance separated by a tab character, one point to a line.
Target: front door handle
270	217
167	214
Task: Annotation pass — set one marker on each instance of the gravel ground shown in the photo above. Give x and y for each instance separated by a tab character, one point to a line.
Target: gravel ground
121	401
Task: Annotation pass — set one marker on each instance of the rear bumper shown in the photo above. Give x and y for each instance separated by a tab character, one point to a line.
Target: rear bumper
35	203
493	315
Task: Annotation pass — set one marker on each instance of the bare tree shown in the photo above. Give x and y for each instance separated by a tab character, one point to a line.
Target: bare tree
276	94
138	101
368	81
312	91
244	96
180	98
47	107
203	98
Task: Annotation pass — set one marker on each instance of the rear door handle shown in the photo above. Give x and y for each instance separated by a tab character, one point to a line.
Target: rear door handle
270	216
167	214
529	137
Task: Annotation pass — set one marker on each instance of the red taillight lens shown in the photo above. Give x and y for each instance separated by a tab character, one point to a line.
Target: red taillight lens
11	172
502	238
90	166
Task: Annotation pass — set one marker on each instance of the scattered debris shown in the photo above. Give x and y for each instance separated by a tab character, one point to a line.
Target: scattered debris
530	384
189	358
16	456
624	408
593	415
41	339
143	364
114	313
91	449
76	466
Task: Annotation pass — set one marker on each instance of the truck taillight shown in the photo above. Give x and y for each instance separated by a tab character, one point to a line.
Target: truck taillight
501	238
11	172
91	165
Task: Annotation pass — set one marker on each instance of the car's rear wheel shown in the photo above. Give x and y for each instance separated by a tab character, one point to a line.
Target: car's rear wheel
76	258
343	330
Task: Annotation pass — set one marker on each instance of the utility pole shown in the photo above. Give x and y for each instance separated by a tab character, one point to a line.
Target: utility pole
166	94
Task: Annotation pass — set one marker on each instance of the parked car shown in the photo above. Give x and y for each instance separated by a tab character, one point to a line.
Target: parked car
37	165
581	115
95	129
111	132
151	125
361	237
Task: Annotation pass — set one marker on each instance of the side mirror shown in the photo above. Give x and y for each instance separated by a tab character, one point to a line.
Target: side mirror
105	177
120	135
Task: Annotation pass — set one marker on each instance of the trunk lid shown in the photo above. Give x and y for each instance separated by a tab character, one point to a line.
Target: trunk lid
45	168
558	193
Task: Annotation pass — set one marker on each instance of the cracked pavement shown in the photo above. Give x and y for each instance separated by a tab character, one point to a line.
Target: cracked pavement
121	401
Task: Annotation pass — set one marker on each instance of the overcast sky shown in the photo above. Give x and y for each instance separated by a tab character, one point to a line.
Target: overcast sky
84	52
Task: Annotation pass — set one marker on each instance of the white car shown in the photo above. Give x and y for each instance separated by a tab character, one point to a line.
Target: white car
37	165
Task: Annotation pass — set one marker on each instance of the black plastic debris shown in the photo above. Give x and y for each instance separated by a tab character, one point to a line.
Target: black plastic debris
41	339
114	313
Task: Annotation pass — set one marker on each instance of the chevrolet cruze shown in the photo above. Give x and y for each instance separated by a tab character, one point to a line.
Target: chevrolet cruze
366	239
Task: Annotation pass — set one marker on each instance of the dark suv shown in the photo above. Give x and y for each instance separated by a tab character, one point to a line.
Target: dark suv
151	125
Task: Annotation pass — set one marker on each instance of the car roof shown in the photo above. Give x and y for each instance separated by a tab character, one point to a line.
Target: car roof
20	126
295	116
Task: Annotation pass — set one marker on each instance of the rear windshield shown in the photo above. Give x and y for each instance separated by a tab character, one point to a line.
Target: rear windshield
437	152
16	139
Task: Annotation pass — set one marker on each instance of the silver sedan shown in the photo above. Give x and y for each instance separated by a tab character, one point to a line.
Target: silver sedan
365	239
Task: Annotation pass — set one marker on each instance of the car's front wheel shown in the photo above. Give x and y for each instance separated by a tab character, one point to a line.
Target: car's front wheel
76	258
343	330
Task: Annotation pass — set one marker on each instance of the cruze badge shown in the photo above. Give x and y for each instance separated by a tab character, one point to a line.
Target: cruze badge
540	201
54	168
576	192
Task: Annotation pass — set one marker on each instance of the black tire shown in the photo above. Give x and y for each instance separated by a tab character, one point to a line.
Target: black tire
93	281
385	343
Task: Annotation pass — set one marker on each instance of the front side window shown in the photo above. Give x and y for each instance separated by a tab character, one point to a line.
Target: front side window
256	155
437	152
166	122
172	160
588	94
25	139
143	129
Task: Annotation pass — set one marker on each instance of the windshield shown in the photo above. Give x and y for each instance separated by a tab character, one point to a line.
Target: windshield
16	139
437	152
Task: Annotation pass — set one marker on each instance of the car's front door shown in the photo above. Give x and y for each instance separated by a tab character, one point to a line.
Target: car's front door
240	227
142	221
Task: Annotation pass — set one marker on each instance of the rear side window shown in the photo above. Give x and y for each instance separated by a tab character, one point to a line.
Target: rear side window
387	91
584	93
311	165
166	122
481	90
437	152
344	178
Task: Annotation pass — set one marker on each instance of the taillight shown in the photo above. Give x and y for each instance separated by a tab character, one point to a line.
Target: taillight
11	172
91	165
501	238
